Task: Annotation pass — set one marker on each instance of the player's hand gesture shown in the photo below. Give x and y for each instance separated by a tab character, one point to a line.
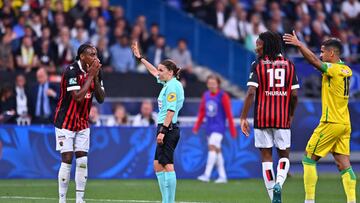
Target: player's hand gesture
94	67
245	128
291	39
135	49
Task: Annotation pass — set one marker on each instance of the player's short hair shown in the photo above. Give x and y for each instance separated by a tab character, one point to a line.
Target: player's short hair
333	43
215	77
170	65
272	44
82	49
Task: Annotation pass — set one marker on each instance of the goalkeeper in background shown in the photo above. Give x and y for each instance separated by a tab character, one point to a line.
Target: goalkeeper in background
333	132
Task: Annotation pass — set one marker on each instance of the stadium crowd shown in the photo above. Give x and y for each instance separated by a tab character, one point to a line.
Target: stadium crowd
312	20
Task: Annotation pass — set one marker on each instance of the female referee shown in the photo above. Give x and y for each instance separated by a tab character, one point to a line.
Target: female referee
170	101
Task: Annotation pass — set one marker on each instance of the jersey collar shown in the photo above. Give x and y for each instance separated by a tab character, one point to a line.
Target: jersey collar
79	63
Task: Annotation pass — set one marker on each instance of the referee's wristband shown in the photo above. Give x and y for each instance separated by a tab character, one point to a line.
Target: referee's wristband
139	58
163	129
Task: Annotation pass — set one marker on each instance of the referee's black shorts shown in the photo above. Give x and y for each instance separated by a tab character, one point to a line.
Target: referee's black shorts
165	152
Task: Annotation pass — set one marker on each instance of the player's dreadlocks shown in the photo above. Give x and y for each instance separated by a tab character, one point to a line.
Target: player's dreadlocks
272	44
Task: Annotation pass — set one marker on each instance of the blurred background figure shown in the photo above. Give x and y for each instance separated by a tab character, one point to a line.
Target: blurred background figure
43	99
22	104
94	117
146	117
120	117
7	105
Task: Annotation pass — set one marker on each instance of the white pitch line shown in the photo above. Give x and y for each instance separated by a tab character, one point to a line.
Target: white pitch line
88	200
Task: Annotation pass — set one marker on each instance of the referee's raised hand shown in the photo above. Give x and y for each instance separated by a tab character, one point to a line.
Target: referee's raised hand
135	49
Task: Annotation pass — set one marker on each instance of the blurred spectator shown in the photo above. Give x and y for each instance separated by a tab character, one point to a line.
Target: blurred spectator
156	54
43	99
218	16
141	22
154	33
94	116
79	27
21	100
7	105
237	27
137	35
101	32
350	9
6	56
46	57
182	57
103	53
79	10
26	57
63	48
19	28
80	38
120	117
146	117
35	24
122	59
105	11
93	16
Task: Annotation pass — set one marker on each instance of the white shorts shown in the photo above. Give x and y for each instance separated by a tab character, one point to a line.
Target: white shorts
267	138
69	141
215	139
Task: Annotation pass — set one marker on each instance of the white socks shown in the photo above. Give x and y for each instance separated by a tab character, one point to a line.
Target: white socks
282	170
63	179
220	166
309	201
81	174
269	178
212	156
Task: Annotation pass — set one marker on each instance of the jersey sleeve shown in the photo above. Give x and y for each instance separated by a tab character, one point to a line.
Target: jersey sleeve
72	82
332	70
295	79
171	97
101	80
253	77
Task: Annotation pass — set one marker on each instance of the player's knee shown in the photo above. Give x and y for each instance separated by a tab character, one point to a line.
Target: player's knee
67	157
82	162
80	154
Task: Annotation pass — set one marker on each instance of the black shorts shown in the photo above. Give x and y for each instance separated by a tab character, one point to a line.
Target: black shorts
165	153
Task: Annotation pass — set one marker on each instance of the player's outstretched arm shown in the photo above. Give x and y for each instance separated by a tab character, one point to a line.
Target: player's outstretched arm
245	127
306	52
136	51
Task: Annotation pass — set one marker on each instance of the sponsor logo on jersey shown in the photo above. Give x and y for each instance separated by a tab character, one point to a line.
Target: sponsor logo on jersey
72	81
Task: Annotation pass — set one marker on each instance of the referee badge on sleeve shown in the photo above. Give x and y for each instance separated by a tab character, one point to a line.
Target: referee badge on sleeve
171	97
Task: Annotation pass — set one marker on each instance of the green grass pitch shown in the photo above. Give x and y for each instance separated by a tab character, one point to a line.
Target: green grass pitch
329	189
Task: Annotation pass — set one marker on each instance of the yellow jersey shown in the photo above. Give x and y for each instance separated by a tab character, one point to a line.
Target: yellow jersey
335	93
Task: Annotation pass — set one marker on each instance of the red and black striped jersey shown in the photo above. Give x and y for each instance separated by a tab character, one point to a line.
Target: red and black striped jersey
70	114
274	81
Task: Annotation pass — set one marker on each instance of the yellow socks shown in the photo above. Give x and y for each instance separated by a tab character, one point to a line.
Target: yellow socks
310	177
349	183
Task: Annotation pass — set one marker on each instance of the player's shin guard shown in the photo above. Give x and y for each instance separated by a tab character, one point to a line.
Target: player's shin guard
211	160
349	182
163	186
310	178
282	170
220	166
269	177
81	174
170	178
63	178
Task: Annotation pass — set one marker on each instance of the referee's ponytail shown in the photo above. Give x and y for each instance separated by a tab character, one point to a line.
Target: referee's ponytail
170	65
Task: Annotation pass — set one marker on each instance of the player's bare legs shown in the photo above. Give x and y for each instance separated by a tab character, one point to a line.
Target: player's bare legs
81	175
347	175
64	175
